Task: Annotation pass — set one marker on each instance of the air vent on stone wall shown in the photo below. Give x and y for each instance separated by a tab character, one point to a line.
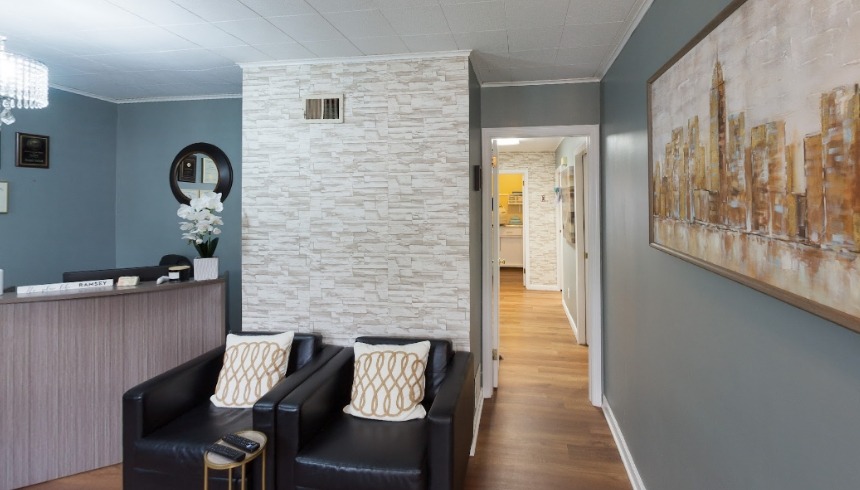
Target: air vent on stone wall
324	109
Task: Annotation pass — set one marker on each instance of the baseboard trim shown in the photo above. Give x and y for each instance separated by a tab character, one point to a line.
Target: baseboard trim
479	409
542	287
572	324
626	456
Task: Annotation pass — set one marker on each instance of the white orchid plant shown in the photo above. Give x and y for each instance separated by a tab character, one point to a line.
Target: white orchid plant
201	225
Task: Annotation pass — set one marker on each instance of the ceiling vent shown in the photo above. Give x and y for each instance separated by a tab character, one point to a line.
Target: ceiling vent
324	109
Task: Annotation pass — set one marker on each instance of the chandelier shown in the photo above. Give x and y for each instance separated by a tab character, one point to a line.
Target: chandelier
23	84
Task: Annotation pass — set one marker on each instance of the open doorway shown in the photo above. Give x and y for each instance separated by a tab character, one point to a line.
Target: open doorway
493	163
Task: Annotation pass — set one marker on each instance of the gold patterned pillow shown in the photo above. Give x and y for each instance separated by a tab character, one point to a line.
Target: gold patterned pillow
388	383
253	364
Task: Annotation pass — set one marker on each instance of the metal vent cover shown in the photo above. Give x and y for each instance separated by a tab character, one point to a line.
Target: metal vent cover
324	109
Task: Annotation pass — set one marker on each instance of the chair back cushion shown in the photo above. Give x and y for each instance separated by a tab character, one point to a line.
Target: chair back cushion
253	364
437	361
305	347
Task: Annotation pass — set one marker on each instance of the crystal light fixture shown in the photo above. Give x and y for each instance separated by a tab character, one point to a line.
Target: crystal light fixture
23	84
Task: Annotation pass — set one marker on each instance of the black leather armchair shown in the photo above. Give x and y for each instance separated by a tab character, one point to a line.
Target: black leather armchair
320	447
168	420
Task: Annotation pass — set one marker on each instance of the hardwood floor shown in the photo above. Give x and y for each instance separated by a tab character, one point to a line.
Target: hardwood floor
538	432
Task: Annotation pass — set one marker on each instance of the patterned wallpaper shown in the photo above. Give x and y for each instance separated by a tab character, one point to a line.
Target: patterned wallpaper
361	227
542	260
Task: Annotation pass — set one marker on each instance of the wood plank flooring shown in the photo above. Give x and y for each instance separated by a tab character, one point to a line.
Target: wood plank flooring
538	432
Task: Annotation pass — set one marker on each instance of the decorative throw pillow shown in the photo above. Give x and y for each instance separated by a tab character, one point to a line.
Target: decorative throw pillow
253	364
388	383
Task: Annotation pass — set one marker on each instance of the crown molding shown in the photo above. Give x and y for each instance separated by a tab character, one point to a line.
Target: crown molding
358	59
540	82
146	99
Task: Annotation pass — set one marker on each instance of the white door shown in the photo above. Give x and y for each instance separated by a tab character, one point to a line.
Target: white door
579	226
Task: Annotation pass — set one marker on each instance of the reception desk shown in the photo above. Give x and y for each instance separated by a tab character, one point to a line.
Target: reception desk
67	357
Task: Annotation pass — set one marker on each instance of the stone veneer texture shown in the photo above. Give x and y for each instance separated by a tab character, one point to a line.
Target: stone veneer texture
542	260
359	228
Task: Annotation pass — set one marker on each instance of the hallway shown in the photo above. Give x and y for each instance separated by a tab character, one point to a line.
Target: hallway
539	431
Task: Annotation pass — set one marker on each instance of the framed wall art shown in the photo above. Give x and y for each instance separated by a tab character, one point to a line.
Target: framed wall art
754	142
32	150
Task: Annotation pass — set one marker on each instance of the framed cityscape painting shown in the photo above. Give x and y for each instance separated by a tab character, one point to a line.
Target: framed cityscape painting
754	142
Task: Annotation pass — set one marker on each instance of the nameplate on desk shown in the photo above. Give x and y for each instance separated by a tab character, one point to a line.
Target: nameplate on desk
65	286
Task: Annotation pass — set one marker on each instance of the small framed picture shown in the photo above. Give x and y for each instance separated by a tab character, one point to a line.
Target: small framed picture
32	151
188	169
4	197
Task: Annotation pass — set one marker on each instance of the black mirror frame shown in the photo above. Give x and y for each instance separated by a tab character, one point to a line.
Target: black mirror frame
222	163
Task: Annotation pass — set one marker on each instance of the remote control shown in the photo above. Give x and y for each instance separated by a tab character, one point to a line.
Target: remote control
227	452
240	442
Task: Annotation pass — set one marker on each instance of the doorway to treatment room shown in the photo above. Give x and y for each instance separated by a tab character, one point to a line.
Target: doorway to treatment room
541	199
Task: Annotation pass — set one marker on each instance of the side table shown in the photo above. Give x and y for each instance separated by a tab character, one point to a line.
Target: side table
218	462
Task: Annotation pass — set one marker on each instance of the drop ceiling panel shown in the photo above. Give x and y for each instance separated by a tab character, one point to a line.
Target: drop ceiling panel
89	44
380	45
306	28
327	6
364	23
417	20
214	11
271	8
474	17
255	31
524	14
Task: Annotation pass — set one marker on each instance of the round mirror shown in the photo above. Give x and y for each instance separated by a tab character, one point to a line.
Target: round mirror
200	167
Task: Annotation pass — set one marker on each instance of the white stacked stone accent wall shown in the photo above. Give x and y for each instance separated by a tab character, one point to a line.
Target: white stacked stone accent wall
359	228
542	259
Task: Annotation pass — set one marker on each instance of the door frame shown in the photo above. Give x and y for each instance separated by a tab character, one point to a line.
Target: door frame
594	302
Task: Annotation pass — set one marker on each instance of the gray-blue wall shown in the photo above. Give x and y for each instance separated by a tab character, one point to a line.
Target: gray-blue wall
476	217
714	385
149	135
566	104
60	218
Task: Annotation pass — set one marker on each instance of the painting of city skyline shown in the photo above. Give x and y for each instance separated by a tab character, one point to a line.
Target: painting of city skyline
754	140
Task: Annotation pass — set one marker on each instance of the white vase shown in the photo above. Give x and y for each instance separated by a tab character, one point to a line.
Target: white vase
205	269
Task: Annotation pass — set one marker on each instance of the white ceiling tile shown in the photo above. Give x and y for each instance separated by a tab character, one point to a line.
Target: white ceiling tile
585	55
161	12
185	59
328	6
255	31
285	51
598	12
380	45
534	58
528	39
192	89
522	14
417	20
575	71
592	35
364	23
205	35
428	43
76	16
128	40
338	48
403	4
271	8
215	11
483	41
474	17
306	28
532	74
242	54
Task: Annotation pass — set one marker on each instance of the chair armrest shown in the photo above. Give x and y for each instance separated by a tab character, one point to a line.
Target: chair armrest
265	408
307	409
157	401
451	421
